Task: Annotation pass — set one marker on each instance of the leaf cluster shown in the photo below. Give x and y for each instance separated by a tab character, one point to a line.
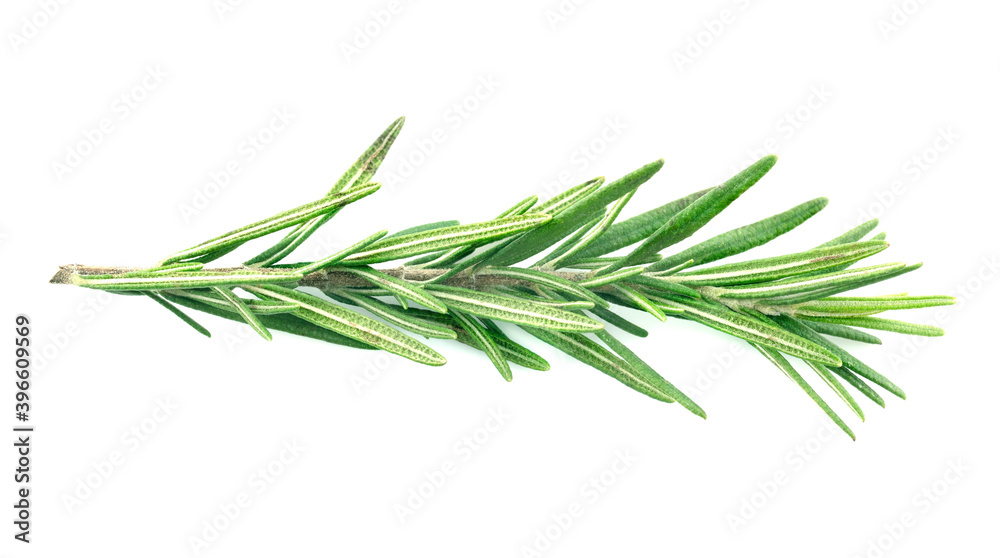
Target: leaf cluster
561	271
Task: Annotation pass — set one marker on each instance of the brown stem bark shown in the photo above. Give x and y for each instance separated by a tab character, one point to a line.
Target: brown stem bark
334	279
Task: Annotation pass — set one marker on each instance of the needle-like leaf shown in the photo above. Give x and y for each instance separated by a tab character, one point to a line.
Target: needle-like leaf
514	310
446	237
187	280
351	324
339	256
277	222
592	234
742	239
398	287
701	211
755	331
782	363
853	235
548	280
570	219
769	269
396	316
630	231
252	320
883	324
848	360
482	337
561	201
179	313
844	332
655	381
357	175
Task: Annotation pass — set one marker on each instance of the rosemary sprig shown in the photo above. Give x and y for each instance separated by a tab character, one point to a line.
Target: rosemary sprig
466	278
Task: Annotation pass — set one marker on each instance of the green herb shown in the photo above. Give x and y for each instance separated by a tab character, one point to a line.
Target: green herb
467	278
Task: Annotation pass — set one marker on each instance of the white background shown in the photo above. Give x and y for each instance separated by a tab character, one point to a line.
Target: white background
846	93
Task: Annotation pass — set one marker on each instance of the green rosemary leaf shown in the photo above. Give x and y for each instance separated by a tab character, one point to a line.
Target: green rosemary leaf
520	207
655	380
818	285
548	280
399	287
862	306
365	166
446	237
619	322
782	363
853	235
745	238
339	256
756	331
277	222
395	315
589	352
644	303
278	322
879	236
768	269
179	313
612	277
561	201
883	324
848	360
570	219
701	211
859	384
891	271
601	263
844	332
671	271
187	280
660	284
352	324
357	175
424	228
446	258
592	234
172	268
514	310
512	351
244	312
482	337
838	388
564	304
569	242
632	230
259	307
